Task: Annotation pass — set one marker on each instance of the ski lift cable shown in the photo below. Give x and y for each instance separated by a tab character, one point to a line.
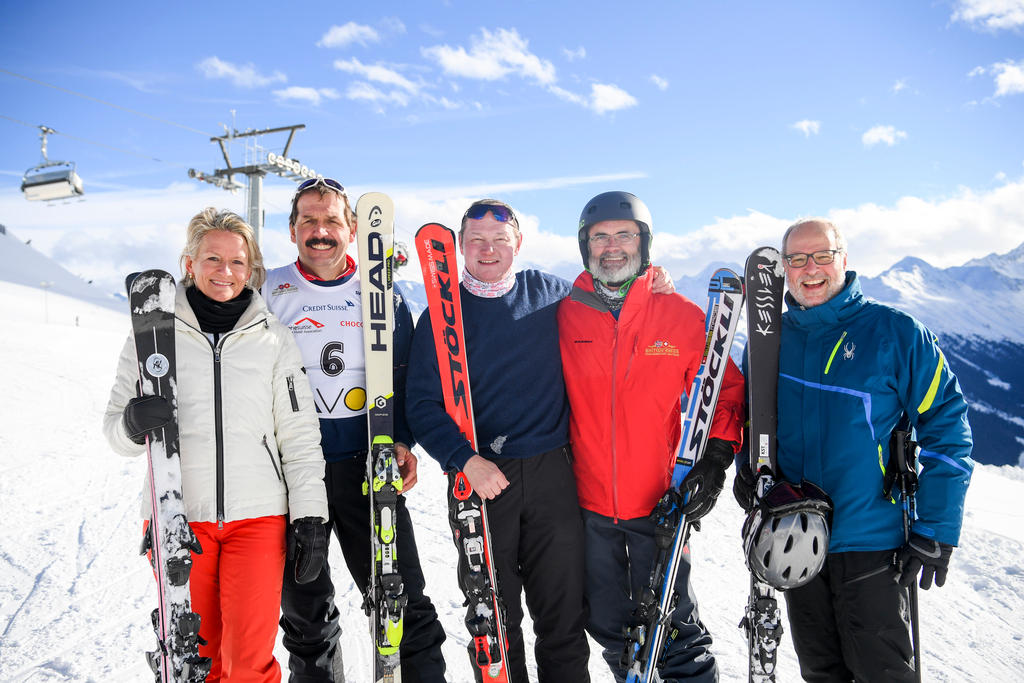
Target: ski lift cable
98	144
104	102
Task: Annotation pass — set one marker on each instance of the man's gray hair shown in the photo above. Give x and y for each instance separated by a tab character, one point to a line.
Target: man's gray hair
837	234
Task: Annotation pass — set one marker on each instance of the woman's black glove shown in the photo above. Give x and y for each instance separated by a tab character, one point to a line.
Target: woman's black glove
144	414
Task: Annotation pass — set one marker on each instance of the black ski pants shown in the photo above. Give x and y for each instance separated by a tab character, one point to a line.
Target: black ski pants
851	622
537	539
309	616
619	557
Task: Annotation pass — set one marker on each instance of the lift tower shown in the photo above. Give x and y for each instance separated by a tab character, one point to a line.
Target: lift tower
258	163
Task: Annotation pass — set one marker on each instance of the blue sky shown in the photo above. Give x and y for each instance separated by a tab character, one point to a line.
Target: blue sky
900	120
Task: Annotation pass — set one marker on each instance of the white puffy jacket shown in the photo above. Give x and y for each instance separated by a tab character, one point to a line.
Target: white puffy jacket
266	458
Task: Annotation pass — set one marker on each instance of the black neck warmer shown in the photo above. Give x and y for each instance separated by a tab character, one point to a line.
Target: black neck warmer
217	317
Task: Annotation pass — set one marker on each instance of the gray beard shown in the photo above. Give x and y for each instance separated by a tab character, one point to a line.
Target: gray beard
615	276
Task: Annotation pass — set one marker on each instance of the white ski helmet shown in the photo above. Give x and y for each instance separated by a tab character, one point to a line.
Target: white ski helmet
786	536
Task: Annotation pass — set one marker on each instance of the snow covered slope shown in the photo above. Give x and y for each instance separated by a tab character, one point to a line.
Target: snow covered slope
23	265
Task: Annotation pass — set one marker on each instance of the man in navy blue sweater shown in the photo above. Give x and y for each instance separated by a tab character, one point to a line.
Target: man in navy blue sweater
523	467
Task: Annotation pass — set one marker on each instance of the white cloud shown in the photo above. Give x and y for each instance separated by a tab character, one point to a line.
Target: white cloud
990	15
976	71
368	93
883	134
244	76
115	232
431	31
493	56
944	232
311	96
377	73
605	97
900	84
568	96
660	82
807	127
393	24
1009	78
345	35
573	55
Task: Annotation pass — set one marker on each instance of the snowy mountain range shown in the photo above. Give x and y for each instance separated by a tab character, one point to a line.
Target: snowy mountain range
976	309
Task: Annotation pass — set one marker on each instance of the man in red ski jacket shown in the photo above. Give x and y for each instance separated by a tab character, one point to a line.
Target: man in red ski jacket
628	357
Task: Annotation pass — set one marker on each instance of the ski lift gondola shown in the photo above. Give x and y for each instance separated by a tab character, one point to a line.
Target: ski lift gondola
51	179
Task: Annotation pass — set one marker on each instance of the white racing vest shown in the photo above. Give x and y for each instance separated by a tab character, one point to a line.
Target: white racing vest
326	322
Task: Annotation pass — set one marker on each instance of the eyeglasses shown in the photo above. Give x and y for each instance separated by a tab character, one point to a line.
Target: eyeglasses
822	258
603	239
326	182
501	213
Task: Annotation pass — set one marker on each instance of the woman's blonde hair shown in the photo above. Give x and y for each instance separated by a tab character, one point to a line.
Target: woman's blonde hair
210	219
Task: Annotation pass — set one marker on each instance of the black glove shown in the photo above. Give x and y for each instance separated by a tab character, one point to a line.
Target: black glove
706	479
924	555
307	545
744	487
143	414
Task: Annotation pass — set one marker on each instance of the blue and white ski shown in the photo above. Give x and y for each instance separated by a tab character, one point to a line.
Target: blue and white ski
648	633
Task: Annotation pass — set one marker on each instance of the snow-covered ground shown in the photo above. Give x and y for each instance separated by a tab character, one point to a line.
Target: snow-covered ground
75	596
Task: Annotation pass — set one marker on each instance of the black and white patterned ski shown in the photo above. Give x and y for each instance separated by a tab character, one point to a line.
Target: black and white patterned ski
764	278
168	535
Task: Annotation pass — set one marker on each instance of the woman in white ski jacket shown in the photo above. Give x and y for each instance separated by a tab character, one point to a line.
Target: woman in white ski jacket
249	443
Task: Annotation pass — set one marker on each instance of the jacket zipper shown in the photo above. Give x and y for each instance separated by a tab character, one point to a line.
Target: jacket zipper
615	466
218	421
218	409
291	395
273	461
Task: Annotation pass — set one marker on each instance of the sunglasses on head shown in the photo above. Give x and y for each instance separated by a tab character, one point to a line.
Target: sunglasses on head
501	213
314	182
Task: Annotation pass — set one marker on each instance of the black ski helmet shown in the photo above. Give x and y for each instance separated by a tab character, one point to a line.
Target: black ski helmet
616	206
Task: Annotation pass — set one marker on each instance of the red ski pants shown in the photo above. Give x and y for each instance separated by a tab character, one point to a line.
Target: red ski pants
236	589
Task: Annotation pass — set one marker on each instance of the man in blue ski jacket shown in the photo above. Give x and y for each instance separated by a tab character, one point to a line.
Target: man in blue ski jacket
849	370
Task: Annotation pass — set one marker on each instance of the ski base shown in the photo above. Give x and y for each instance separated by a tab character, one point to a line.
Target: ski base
485	614
762	624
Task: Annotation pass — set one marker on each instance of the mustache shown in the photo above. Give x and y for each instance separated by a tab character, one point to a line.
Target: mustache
327	241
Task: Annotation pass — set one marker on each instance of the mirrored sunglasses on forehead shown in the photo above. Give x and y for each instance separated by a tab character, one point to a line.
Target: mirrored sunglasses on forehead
501	213
315	182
